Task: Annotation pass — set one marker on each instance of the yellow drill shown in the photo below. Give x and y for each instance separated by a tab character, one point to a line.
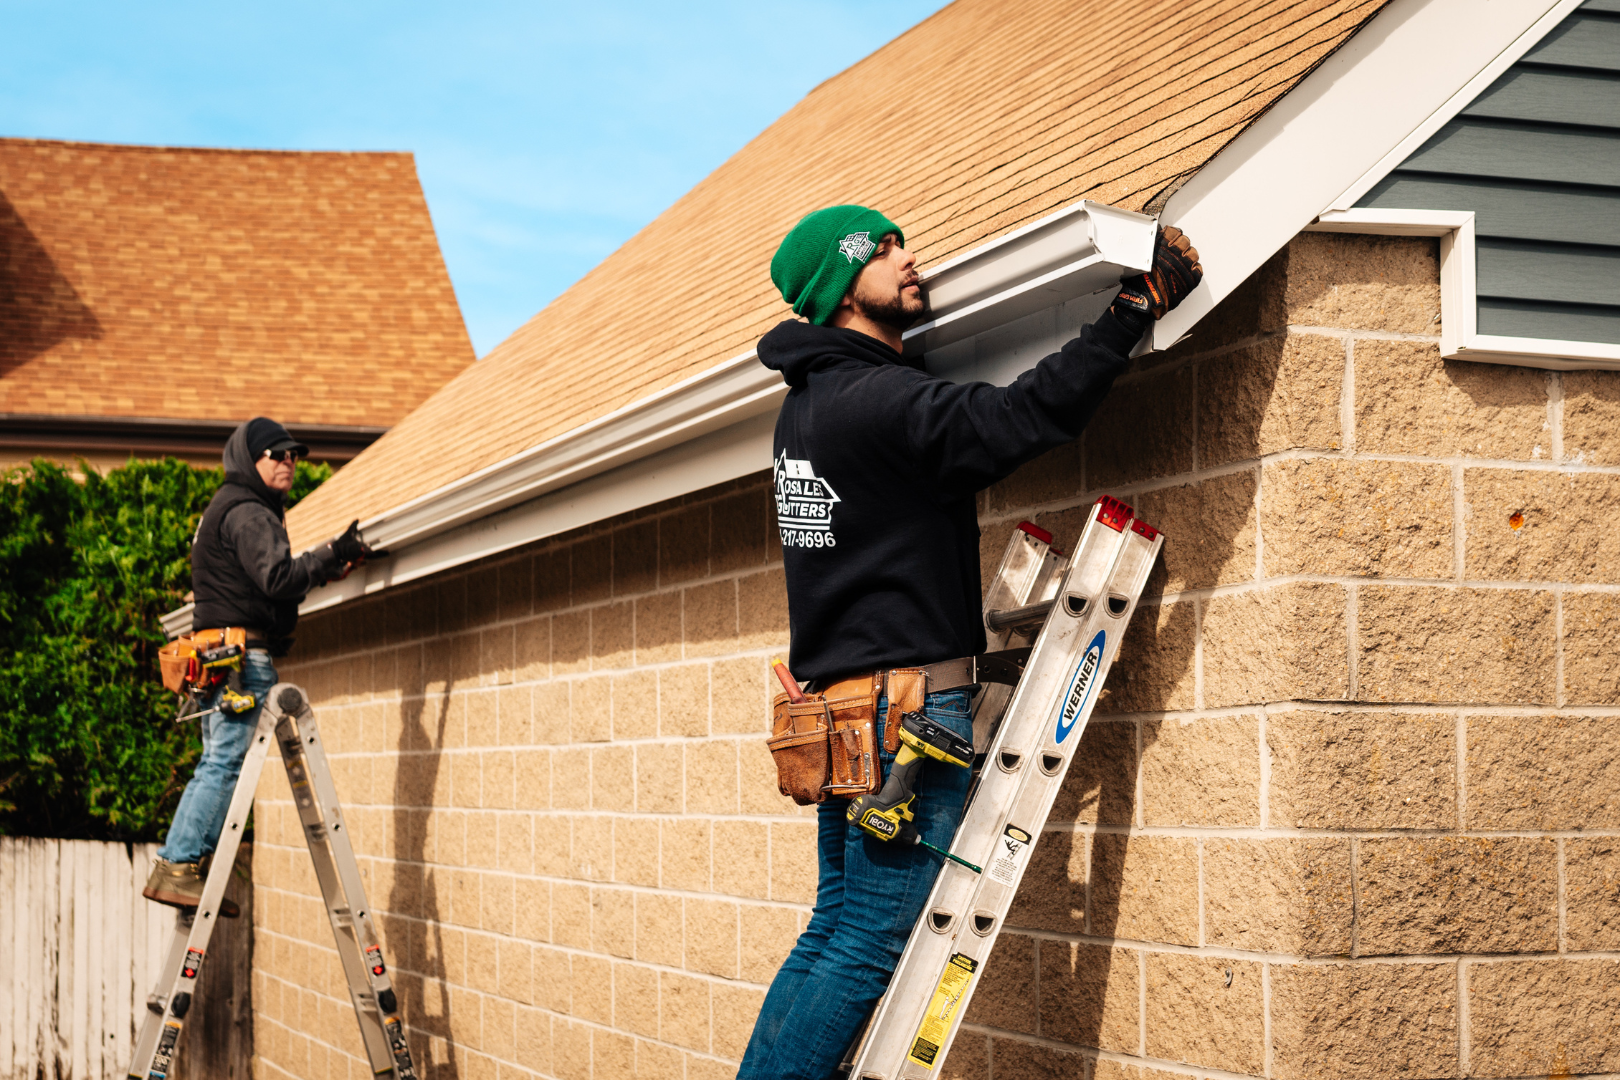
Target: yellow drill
887	813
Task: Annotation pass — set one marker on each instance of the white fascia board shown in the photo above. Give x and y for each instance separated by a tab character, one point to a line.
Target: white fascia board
716	426
1324	135
1459	301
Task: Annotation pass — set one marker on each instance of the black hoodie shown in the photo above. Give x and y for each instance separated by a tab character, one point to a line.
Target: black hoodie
242	567
876	467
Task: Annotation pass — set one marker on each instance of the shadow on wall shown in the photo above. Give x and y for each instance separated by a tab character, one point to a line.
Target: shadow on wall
1088	884
415	890
39	308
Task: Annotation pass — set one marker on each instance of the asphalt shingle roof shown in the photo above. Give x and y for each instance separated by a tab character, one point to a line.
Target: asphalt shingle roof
986	116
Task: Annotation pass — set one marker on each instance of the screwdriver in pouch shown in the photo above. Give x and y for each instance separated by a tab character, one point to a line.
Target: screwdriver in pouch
887	813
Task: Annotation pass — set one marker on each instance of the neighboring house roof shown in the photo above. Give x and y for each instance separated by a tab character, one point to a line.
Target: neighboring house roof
159	286
984	118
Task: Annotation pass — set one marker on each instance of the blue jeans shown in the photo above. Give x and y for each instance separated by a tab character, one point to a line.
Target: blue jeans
868	896
226	738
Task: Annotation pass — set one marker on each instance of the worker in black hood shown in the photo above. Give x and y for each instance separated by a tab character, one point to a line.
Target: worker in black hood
877	466
243	574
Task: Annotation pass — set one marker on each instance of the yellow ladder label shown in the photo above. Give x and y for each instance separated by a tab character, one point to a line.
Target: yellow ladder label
936	1023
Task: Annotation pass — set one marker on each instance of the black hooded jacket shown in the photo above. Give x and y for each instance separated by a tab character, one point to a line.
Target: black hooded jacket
242	567
876	467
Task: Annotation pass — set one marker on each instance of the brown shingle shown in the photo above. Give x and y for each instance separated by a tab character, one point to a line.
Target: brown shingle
979	120
218	284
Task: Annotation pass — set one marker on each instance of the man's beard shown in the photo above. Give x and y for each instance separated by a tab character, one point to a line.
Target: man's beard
893	311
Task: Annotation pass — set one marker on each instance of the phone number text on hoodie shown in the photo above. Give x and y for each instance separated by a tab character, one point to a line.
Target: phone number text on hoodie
808	538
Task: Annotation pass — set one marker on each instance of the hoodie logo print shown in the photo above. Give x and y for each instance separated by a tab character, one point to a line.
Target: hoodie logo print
857	246
804	504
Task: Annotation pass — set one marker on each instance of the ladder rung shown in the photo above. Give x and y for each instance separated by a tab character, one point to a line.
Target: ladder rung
1010	618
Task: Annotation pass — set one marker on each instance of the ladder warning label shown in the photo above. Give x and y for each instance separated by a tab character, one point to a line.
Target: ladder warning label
936	1023
1009	853
164	1058
192	965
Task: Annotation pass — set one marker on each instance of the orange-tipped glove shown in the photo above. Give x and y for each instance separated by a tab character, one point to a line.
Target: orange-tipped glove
1176	272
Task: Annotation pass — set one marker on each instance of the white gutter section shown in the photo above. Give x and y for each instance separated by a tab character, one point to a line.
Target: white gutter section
717	425
1322	137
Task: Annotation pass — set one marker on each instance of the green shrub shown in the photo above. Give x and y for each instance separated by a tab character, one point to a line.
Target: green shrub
88	746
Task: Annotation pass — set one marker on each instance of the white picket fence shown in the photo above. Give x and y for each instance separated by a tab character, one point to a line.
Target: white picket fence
79	952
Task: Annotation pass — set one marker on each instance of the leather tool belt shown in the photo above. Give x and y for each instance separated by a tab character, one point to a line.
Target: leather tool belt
181	660
827	745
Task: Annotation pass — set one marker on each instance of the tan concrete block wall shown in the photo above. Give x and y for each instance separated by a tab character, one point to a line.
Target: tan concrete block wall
554	772
1346	807
1359	755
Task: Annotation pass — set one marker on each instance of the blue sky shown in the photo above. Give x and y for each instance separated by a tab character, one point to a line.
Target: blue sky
545	134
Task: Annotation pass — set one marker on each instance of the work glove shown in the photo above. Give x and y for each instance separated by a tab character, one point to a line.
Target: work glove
351	546
1176	272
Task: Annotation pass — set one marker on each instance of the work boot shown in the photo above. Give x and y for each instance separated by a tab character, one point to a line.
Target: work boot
180	884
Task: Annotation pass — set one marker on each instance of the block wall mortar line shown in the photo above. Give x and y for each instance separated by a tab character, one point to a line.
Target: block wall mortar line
1139	816
1091	1053
1035	978
1563	900
1350	334
1462	771
1559	696
1254	832
1141	1002
1198	658
1193	375
1089	495
1265	770
1347	400
1334	705
1459	525
1259	523
1091	852
1268	1049
1242	587
1227	952
1355	896
1198	846
1464	1021
1555	413
1351	641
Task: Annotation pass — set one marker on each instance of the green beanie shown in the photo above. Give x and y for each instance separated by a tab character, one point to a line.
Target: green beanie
821	256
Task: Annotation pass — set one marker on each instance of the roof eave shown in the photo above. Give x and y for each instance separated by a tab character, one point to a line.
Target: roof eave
716	426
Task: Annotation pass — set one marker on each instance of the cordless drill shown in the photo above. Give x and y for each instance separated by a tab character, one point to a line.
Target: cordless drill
887	814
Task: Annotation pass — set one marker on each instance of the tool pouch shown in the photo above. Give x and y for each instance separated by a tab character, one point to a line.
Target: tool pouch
826	745
178	660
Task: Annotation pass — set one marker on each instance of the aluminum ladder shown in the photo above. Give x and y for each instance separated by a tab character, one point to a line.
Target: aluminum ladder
286	717
1074	616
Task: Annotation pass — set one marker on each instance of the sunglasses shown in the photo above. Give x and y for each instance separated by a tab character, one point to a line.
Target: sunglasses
281	455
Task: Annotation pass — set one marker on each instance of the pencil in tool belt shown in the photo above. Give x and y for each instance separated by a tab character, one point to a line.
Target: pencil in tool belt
794	693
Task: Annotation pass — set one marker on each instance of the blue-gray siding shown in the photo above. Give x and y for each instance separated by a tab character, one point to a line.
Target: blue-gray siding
1536	157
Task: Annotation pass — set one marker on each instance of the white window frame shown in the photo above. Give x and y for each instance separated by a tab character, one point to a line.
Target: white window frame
1460	338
